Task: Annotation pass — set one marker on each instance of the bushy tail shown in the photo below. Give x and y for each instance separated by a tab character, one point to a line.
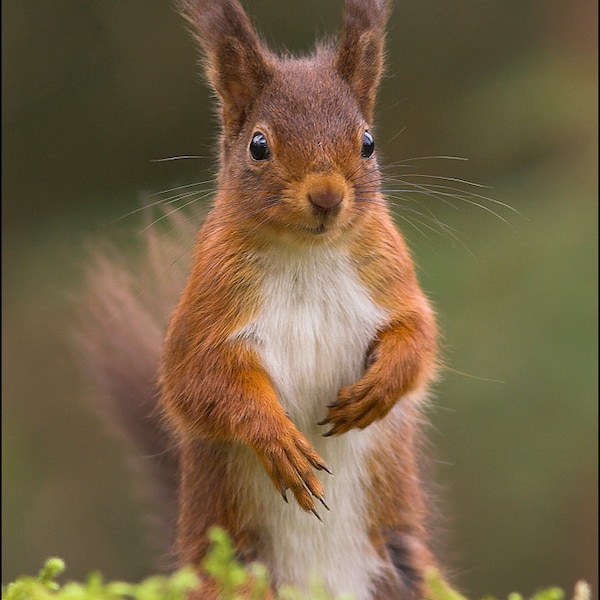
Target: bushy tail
122	319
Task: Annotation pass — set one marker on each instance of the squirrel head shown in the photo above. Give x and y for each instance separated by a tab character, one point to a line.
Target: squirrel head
297	149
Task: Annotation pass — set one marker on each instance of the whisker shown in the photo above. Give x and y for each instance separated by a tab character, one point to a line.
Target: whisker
405	176
183	157
171	212
182	187
163	201
412	224
422	190
178	197
443	192
440	195
475	195
444	178
442	228
395	136
432	157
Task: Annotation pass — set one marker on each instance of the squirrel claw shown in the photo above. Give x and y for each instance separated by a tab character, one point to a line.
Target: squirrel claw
322	501
314	512
324	467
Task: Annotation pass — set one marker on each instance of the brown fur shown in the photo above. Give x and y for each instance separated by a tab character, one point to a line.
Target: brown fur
315	190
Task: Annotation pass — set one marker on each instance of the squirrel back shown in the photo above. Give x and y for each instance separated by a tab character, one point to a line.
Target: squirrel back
301	345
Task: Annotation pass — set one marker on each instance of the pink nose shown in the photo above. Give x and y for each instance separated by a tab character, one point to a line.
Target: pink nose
325	200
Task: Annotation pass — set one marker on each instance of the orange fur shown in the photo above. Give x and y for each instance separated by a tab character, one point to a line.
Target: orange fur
316	190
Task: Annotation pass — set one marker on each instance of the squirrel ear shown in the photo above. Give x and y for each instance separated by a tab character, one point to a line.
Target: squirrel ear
360	53
237	65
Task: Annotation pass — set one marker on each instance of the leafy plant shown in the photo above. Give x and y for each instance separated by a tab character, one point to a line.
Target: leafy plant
235	581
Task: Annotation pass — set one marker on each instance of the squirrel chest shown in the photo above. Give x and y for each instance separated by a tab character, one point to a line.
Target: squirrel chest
314	326
315	323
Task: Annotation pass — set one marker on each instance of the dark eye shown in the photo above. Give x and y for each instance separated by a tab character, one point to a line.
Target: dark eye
368	145
259	147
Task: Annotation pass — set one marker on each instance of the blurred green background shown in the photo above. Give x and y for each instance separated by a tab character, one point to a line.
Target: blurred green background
95	90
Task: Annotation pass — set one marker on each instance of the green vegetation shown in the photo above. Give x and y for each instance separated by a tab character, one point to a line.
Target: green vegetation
45	587
222	566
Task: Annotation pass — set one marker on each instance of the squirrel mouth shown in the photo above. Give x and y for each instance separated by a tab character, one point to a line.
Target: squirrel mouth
319	226
321	229
318	230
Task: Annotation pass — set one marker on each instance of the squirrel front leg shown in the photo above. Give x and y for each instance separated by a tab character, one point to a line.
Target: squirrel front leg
227	396
399	361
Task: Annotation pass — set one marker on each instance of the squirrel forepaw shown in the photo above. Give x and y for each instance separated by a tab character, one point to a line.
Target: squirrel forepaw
356	407
289	462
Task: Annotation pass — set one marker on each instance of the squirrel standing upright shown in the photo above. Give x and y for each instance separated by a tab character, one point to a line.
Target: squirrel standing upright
302	345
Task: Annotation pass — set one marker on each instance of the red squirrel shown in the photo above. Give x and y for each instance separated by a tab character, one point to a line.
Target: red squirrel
296	363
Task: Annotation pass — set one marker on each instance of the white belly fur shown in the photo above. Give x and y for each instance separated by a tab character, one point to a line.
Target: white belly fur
315	325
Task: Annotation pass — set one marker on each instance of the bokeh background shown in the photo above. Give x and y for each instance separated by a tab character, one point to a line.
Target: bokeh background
94	91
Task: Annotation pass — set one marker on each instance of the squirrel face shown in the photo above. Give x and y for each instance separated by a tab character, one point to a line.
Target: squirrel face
303	165
297	157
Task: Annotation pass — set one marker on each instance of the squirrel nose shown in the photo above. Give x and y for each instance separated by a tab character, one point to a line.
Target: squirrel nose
326	200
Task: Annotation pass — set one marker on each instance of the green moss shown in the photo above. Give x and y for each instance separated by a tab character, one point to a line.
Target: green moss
230	576
44	586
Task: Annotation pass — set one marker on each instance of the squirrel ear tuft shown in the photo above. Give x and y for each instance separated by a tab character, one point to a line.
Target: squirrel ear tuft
237	65
360	52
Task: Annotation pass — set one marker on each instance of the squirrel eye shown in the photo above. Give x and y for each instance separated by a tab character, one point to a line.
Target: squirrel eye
259	147
368	145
